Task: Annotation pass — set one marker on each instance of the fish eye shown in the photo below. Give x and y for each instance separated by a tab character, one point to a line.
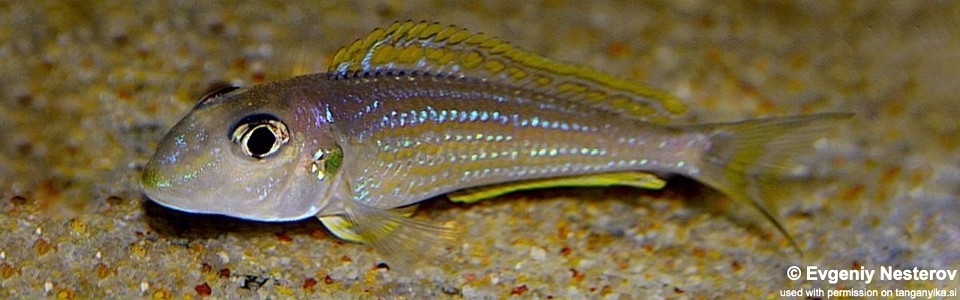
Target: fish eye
260	135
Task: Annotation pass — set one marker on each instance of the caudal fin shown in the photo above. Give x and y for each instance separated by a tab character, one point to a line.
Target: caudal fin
745	158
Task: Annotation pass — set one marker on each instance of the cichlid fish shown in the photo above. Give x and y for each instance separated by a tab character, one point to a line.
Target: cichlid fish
418	110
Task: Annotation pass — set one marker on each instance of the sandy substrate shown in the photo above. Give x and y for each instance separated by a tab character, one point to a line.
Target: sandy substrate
87	90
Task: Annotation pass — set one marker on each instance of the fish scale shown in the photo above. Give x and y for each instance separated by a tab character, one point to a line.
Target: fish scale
441	120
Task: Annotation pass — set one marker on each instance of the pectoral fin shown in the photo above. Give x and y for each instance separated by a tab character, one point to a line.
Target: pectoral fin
400	239
342	228
634	179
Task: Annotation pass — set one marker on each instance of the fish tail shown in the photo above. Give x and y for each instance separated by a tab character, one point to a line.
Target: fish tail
745	158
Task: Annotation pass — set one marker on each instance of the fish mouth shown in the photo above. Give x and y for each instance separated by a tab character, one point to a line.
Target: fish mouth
158	188
198	197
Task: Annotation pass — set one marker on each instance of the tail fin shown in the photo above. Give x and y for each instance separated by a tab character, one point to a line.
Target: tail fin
745	158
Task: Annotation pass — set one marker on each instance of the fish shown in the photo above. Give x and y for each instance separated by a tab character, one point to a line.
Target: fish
419	109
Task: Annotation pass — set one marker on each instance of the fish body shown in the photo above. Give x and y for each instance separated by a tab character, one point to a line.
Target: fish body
419	110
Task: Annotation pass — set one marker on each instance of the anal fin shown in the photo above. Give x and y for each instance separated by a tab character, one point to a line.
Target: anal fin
635	179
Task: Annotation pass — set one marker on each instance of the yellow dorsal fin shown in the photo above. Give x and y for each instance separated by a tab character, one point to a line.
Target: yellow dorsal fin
633	179
412	48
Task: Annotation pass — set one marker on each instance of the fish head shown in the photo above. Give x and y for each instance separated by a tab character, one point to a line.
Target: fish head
245	153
